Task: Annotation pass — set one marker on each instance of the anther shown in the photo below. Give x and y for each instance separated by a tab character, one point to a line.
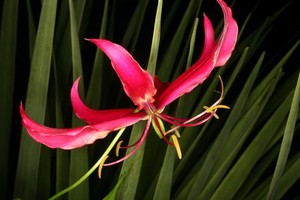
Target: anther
118	147
177	133
177	146
101	166
213	109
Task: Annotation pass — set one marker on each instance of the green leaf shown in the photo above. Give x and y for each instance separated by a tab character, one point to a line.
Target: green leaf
236	140
62	170
237	71
44	183
29	156
79	157
286	142
172	52
94	98
289	177
273	73
78	167
76	55
8	43
62	156
257	173
131	167
31	28
112	195
133	29
164	182
100	161
202	176
239	172
151	67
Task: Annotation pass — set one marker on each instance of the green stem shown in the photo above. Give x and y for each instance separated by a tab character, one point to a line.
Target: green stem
86	175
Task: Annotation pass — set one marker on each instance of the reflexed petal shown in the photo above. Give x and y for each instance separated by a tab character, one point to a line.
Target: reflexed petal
138	83
184	84
94	116
209	39
229	35
71	138
200	70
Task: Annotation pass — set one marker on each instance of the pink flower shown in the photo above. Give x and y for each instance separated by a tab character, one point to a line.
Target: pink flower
149	94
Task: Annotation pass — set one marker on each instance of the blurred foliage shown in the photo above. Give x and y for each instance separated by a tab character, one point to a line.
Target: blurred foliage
251	152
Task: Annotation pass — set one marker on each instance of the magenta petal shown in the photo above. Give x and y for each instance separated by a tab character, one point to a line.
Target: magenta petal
185	83
94	116
211	57
229	35
138	83
71	138
209	40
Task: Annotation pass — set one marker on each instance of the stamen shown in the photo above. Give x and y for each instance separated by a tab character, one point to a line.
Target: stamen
222	88
177	146
170	118
162	132
213	109
101	166
198	119
150	110
131	145
137	146
177	133
118	147
195	121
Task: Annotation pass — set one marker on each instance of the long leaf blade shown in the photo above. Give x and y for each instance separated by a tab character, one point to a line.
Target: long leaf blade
8	43
286	142
28	164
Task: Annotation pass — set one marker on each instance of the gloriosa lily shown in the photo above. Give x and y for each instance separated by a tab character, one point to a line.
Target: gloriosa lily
149	95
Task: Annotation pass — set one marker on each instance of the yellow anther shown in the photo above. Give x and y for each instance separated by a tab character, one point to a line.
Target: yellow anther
101	166
177	133
118	147
213	109
177	146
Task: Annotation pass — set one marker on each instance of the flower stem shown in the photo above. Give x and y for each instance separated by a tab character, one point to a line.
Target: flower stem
86	175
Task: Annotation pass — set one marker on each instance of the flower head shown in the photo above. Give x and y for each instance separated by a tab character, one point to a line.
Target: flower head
149	94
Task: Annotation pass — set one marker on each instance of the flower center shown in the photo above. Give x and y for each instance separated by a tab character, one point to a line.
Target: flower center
159	128
156	118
